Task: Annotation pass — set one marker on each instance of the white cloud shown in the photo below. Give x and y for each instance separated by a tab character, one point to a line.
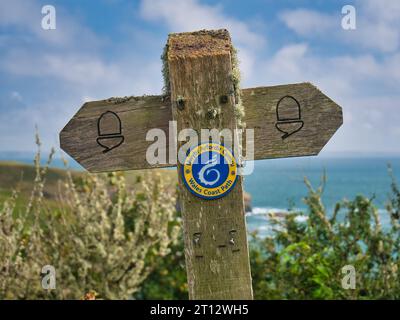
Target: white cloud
68	54
78	69
365	87
392	63
346	74
386	10
15	95
191	15
287	63
380	35
21	13
378	25
26	16
68	64
306	22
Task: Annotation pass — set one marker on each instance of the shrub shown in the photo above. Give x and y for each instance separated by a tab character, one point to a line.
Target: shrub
104	237
112	241
304	260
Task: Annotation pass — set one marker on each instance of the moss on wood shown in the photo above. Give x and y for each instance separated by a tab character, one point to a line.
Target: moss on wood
199	43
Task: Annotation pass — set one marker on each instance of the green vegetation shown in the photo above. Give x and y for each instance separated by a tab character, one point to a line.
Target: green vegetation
103	236
118	235
305	260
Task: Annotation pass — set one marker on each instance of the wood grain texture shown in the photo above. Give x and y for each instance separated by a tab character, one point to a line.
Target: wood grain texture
137	115
215	269
321	116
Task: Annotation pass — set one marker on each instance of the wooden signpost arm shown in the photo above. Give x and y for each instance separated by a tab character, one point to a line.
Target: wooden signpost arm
320	115
137	115
317	115
217	257
287	121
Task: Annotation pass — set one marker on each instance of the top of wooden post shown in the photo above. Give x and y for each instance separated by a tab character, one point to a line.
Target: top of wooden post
199	43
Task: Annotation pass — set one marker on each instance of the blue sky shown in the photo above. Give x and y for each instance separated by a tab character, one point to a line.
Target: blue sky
109	48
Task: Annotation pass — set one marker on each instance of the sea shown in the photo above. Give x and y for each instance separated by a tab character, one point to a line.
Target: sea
277	185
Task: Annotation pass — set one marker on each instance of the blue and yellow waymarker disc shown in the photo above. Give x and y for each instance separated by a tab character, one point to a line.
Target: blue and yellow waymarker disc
209	171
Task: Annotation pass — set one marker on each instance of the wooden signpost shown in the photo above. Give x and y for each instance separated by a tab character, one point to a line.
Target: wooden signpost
288	120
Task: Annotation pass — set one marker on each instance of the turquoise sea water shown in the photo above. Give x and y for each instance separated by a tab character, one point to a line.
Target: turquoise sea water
276	182
276	185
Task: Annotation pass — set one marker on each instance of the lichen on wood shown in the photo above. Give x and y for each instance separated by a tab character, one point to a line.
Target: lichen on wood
200	69
197	44
165	71
239	108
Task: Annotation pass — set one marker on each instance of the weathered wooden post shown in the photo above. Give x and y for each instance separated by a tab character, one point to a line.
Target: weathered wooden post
287	120
201	80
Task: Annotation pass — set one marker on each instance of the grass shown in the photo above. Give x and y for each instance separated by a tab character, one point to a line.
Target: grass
102	232
20	176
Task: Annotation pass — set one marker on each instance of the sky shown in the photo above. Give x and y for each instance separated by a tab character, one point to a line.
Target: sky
107	48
